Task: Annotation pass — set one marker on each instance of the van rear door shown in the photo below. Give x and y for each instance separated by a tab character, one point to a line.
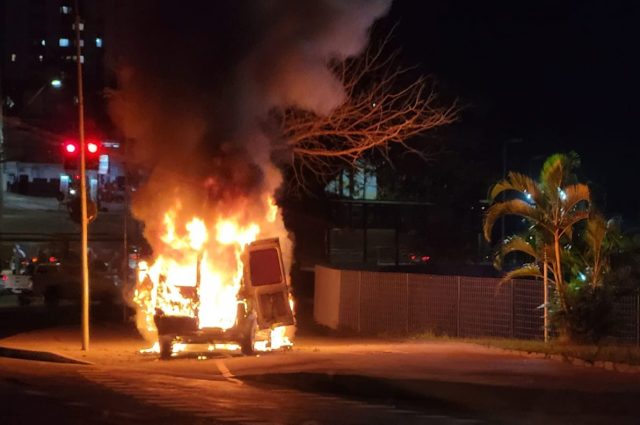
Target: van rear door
266	284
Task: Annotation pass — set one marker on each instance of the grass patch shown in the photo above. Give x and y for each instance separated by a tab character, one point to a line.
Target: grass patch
628	354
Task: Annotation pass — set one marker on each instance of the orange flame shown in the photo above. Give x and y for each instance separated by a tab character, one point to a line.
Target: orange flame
195	275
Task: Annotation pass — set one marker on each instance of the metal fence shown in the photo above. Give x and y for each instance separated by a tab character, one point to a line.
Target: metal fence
461	306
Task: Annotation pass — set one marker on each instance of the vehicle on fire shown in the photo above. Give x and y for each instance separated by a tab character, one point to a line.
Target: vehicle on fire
262	305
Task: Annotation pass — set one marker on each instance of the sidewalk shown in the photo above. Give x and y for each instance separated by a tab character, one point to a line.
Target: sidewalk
109	345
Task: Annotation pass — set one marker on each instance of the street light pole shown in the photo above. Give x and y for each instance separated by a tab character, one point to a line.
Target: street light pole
83	191
55	83
2	183
2	156
504	176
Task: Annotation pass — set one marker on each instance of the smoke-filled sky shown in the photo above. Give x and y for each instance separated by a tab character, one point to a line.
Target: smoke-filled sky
196	80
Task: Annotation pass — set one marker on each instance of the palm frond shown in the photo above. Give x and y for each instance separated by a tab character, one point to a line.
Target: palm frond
527	270
510	207
516	182
596	233
519	244
569	220
552	175
574	195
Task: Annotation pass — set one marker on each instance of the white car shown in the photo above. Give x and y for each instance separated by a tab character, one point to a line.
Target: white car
57	281
18	284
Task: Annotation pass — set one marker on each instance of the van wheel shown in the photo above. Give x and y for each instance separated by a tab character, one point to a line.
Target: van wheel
166	346
248	342
51	296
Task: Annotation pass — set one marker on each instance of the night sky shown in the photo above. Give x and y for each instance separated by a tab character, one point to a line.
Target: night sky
560	75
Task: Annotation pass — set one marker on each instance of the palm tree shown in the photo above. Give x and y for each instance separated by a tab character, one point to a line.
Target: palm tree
592	288
552	206
540	252
602	239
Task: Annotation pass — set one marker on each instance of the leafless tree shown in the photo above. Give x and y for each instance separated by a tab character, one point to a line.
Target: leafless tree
384	107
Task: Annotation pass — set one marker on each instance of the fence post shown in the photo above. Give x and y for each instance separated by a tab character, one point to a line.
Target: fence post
458	310
407	303
359	300
513	309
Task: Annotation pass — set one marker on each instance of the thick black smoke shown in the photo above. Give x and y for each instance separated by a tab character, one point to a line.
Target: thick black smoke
196	79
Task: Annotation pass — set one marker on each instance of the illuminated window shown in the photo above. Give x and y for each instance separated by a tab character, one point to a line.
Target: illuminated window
13	57
63	42
81	26
361	183
65	10
40	58
98	42
43	42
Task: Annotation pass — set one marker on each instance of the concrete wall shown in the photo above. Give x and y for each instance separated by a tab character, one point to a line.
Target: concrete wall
326	308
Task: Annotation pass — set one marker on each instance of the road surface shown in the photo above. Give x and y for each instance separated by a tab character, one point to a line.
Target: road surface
36	392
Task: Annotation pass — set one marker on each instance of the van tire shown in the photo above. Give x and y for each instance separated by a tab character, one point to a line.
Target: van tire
247	344
166	346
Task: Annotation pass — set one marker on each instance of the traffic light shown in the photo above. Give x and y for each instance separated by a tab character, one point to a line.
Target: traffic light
92	156
71	154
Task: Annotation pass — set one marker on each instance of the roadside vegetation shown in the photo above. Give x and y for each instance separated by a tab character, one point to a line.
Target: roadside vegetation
590	353
581	257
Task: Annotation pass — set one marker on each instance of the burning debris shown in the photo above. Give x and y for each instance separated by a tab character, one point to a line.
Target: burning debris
195	87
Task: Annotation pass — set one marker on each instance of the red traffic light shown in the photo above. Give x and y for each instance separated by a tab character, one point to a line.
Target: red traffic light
70	147
92	147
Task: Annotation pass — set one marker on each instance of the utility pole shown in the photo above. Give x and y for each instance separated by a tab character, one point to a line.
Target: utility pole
83	191
504	176
2	158
125	230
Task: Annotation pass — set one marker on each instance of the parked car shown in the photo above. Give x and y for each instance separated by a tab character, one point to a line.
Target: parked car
62	280
17	284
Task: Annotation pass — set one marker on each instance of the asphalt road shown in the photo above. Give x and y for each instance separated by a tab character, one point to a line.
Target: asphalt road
36	392
143	390
45	393
320	381
19	224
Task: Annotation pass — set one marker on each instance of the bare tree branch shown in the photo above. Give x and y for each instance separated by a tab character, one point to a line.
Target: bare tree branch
383	108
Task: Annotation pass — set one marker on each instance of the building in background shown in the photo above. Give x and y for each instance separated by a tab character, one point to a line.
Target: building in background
39	86
38	45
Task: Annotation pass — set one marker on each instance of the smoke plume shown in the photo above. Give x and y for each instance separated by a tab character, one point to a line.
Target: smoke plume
197	79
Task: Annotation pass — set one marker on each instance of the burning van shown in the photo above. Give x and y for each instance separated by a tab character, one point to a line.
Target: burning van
185	310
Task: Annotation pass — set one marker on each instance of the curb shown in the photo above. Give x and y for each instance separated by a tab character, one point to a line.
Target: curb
41	356
575	361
